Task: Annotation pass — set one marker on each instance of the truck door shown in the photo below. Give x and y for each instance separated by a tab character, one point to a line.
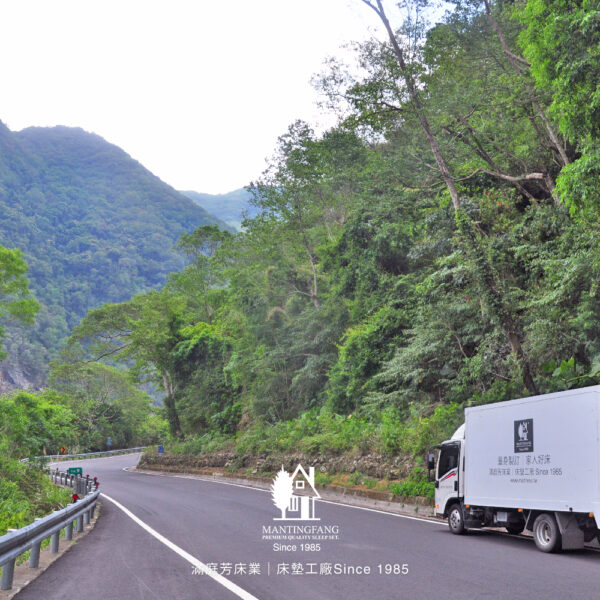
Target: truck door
446	482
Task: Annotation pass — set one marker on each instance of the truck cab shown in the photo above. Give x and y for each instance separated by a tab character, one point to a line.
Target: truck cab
449	475
450	486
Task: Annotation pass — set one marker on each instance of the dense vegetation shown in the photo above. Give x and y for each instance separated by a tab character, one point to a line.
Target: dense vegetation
100	402
25	423
437	248
94	402
93	225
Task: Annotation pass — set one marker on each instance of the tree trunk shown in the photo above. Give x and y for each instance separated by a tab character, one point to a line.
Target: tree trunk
314	287
465	226
519	64
172	415
417	105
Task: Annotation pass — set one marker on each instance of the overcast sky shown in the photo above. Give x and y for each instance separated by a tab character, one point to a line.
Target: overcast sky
197	90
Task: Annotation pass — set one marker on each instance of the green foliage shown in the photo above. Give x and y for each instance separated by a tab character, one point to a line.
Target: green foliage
415	435
312	432
15	300
323	478
417	484
561	40
364	304
25	489
200	444
579	183
103	402
34	424
93	225
26	493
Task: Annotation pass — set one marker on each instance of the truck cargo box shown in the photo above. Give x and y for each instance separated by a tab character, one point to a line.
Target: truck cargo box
538	453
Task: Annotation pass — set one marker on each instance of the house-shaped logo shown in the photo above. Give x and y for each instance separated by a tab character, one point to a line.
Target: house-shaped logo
294	495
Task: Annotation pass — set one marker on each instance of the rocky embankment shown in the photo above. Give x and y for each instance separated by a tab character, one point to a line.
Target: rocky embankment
373	465
334	474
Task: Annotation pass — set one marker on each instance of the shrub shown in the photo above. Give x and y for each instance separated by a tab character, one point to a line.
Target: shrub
418	434
416	484
26	492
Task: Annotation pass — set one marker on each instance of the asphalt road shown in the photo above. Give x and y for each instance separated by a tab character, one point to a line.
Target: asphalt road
222	524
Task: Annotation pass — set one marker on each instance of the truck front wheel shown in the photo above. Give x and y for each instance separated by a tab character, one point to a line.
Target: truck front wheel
456	519
546	533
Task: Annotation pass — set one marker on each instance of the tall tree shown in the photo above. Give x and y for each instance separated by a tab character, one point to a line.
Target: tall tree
144	330
15	299
490	287
561	41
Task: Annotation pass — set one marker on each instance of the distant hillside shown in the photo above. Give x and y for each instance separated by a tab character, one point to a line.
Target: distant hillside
95	226
230	207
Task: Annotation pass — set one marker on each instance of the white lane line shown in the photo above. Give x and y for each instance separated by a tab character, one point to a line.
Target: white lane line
385	512
232	587
250	487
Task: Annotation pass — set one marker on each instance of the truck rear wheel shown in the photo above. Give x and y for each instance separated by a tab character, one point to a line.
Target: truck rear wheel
546	533
456	519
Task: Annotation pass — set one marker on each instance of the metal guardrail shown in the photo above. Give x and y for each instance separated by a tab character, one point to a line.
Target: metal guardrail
86	455
30	537
81	485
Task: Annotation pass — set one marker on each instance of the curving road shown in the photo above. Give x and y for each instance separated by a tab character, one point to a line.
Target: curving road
151	542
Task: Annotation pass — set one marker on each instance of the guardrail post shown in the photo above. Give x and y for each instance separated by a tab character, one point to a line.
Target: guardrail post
8	571
54	539
34	556
69	531
86	517
79	524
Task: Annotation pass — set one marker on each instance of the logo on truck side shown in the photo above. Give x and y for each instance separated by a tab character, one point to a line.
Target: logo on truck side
524	435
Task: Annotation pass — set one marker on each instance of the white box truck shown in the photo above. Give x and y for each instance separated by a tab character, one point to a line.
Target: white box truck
527	464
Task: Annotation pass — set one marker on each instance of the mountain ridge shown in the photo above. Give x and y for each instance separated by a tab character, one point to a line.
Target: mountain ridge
94	225
232	207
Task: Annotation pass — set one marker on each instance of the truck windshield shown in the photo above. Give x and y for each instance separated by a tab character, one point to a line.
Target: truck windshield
448	459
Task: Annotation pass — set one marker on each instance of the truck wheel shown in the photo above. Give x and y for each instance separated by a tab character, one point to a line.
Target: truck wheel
546	533
456	519
515	529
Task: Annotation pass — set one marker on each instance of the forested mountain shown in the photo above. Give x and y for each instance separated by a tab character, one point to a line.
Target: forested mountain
232	207
94	226
437	248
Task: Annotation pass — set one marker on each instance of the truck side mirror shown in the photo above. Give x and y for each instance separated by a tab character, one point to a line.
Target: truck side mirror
430	465
430	461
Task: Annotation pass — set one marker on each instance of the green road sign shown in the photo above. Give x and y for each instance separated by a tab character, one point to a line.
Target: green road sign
75	471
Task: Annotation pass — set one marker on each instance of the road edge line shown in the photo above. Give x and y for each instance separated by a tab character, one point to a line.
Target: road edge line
232	587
